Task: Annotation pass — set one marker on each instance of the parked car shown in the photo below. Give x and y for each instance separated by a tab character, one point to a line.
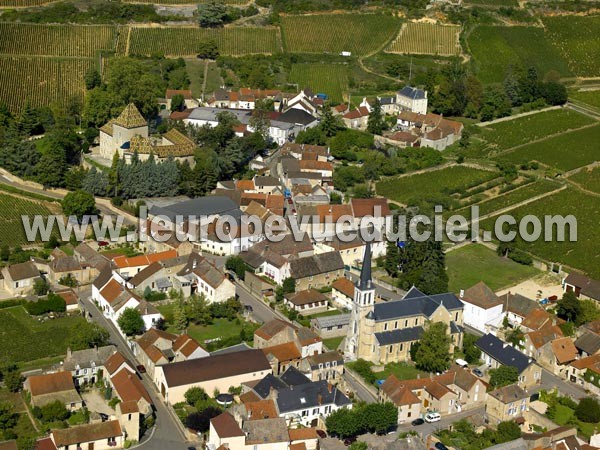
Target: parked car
349	441
477	373
432	417
417	422
440	446
322	434
141	369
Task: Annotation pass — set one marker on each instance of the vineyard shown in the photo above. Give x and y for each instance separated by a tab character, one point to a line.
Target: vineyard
576	38
21	3
233	41
427	39
41	81
55	40
566	151
495	48
11	210
334	33
331	79
514	3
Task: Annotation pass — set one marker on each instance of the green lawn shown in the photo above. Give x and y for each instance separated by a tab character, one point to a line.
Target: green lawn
330	79
23	338
495	48
588	179
591	98
582	254
333	343
434	184
564	152
402	371
473	263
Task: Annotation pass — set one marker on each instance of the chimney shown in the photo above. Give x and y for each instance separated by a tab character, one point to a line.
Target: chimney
69	353
462	293
319	399
96	348
329	388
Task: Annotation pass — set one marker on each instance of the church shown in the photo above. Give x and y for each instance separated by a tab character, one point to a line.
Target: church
384	332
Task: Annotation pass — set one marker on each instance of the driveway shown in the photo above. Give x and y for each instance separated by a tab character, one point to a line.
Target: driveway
94	402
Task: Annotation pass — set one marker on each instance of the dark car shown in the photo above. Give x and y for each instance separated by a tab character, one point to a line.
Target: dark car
141	369
349	441
477	373
417	422
440	446
322	434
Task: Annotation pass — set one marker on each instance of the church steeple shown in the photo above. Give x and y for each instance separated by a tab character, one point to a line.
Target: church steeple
365	281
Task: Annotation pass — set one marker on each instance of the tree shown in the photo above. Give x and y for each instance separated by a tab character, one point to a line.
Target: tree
472	353
375	123
79	204
507	431
392	258
131	322
503	376
40	287
363	190
423	264
260	121
289	285
177	102
342	423
88	335
378	417
211	14
54	412
180	321
13	380
8	417
4	252
200	421
92	79
329	123
95	182
569	308
588	410
237	265
194	395
208	49
433	354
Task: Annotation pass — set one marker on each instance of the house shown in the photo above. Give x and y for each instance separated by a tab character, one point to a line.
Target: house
496	353
53	387
433	130
86	255
19	278
403	397
277	332
62	266
399	139
132	393
411	99
307	302
71	299
327	366
582	286
316	271
507	403
116	134
351	250
517	307
342	293
534	342
128	267
205	279
210	373
87	366
331	326
116	363
481	306
588	343
283	356
357	118
585	372
188	99
388	104
259	434
563	353
96	436
158	276
304	438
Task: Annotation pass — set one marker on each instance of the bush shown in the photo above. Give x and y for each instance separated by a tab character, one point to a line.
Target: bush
363	368
588	410
54	412
53	303
194	395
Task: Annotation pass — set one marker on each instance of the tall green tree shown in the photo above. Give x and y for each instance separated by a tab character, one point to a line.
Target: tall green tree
569	308
423	264
131	322
433	354
329	123
503	376
78	204
376	123
211	14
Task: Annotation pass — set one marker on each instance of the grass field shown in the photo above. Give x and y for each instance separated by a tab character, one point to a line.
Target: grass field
430	184
591	98
333	343
426	39
11	227
41	81
23	338
334	33
576	38
510	133
330	79
495	48
184	41
564	152
588	179
584	254
473	263
56	40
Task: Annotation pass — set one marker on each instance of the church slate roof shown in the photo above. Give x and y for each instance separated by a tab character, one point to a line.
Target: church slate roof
414	303
397	336
130	118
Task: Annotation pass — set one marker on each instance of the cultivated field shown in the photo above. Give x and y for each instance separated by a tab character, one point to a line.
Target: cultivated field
519	131
564	152
578	40
493	2
473	263
495	48
582	254
588	179
432	184
55	40
21	3
186	2
426	39
591	98
181	41
11	210
334	33
41	81
330	79
23	338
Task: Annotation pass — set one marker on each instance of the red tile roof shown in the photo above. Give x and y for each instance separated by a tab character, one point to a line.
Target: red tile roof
50	383
129	387
143	260
366	206
345	286
226	426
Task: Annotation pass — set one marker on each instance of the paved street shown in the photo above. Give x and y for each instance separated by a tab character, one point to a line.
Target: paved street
357	386
166	434
447	420
260	311
551	381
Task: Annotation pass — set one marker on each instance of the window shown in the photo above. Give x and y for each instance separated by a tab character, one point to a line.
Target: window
385	326
396	325
401	347
406	323
391	349
417	321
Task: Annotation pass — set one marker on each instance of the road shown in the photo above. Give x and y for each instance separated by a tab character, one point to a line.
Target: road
428	428
551	381
358	387
166	434
261	313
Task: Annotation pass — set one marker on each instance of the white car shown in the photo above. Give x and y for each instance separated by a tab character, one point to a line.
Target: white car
432	417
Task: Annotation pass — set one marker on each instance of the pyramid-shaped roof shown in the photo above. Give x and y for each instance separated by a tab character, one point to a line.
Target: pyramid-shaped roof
130	118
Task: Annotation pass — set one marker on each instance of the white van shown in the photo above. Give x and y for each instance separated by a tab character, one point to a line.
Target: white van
432	417
462	363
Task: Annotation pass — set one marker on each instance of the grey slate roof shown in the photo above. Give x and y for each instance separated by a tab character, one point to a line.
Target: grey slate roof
455	328
293	377
364	282
308	396
588	342
387	100
331	321
413	303
210	114
201	206
413	93
83	359
316	265
502	352
263	387
296	116
397	336
233	349
266	431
